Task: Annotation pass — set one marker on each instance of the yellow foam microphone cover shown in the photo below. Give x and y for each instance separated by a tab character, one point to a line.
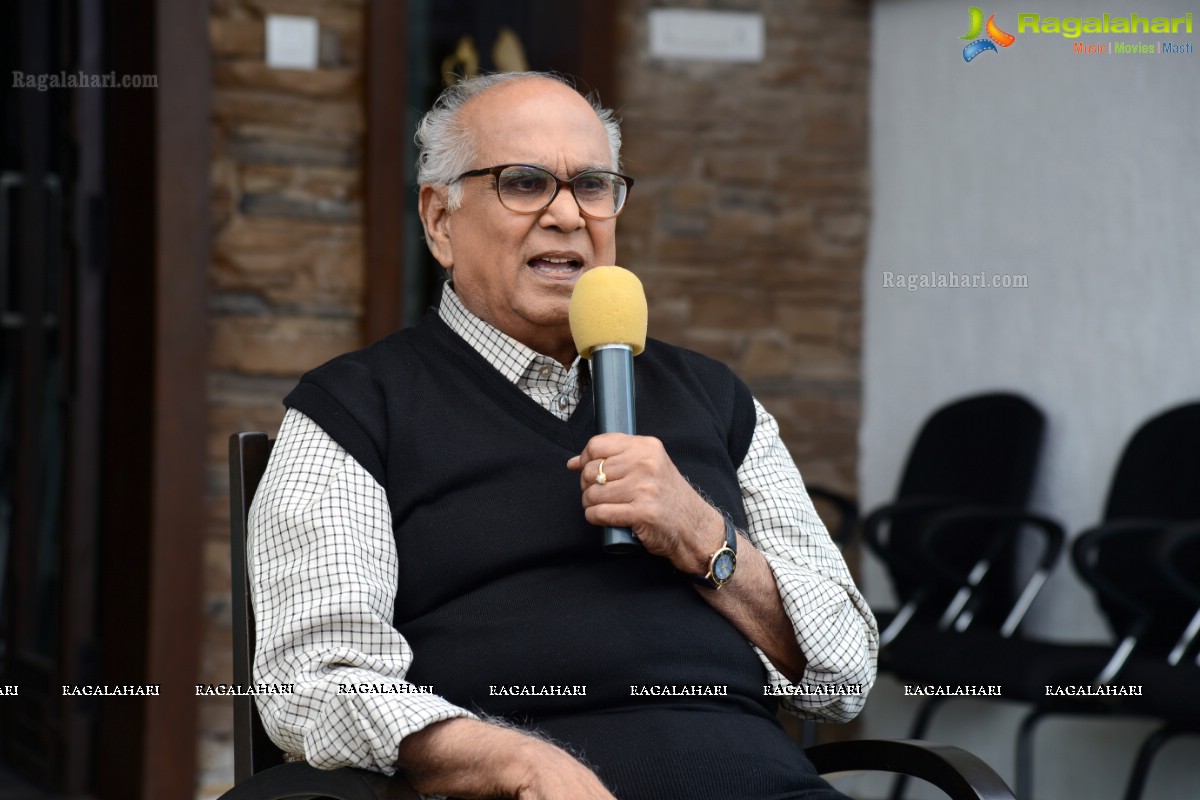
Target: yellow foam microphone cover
608	306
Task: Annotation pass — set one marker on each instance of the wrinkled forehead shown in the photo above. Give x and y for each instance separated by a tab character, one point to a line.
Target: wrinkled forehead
536	121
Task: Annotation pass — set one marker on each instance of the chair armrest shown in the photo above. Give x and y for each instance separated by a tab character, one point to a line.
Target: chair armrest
1179	560
847	509
961	775
1053	535
912	569
1085	551
902	509
962	520
299	781
1181	540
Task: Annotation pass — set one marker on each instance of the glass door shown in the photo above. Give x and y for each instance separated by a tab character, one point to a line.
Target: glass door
48	289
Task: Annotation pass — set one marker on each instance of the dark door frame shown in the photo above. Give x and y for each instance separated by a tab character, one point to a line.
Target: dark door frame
383	167
155	517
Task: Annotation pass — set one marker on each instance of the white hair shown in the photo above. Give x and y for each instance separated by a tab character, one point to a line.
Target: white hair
444	146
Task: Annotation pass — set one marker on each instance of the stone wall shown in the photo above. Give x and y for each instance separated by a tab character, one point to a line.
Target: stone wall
747	225
749	218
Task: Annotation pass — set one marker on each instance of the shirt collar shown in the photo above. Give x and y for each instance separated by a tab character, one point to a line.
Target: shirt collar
512	359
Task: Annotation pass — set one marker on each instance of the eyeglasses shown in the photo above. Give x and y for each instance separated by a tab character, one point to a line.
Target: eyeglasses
524	189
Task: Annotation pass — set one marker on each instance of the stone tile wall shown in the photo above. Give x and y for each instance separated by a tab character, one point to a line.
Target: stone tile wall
748	222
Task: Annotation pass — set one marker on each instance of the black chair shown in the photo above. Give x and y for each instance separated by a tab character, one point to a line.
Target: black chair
974	457
260	771
950	542
981	453
1150	490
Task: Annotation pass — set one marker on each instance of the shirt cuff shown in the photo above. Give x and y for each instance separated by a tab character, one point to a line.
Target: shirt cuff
836	640
363	722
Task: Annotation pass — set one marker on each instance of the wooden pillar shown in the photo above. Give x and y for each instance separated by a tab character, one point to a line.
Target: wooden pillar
157	413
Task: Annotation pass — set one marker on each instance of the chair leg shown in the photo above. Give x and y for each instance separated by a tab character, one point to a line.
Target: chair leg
1146	754
920	725
1025	753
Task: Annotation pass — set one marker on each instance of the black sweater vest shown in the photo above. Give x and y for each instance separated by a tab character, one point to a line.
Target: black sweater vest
502	583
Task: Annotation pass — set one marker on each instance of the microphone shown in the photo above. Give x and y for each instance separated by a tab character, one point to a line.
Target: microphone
608	322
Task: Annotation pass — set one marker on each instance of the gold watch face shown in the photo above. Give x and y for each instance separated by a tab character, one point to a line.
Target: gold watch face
723	564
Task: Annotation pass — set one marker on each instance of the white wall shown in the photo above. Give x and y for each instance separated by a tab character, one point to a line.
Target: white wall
1082	173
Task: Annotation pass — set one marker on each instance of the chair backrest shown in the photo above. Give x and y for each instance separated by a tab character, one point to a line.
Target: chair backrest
253	751
981	450
1158	474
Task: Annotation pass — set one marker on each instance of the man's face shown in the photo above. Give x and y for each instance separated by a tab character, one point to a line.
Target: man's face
516	271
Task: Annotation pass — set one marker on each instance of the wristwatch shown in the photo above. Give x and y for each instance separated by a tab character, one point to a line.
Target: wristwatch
722	563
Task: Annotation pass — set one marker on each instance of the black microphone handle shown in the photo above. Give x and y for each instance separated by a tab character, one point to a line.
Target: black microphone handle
612	392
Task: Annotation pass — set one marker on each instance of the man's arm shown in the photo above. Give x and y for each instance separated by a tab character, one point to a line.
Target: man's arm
323	565
827	613
323	579
468	758
753	604
792	595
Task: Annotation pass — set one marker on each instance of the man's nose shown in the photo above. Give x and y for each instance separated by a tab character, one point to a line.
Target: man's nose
563	212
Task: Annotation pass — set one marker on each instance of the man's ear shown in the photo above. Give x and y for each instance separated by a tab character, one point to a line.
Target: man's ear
435	217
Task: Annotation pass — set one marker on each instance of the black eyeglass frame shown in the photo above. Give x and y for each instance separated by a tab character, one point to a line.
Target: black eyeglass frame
559	184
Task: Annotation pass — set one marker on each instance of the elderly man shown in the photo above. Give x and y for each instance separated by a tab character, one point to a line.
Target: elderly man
425	557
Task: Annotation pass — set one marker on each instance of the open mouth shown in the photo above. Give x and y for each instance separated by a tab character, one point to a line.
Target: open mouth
557	265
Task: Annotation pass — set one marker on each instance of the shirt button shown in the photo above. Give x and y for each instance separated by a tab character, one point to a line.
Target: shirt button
544	371
562	402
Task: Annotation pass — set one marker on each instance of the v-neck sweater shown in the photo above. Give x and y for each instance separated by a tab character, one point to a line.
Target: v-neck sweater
504	594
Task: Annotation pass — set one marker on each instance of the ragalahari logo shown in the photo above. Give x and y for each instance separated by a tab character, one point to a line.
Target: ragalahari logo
995	36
